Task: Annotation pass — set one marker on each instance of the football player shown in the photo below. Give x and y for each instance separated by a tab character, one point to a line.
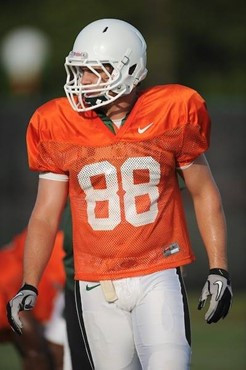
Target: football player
115	151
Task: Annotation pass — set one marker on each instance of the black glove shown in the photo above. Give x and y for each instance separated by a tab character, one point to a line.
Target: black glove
218	286
24	300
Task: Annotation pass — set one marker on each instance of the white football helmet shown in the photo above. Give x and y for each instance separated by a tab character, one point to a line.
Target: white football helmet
106	42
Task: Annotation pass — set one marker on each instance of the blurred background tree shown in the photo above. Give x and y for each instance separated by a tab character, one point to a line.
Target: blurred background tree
198	44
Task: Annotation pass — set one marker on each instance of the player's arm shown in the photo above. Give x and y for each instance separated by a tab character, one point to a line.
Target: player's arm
42	229
209	211
212	226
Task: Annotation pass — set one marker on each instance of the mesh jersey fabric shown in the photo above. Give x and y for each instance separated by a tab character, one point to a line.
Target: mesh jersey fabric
123	189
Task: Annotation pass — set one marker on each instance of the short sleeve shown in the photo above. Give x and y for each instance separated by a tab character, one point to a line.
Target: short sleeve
195	133
41	155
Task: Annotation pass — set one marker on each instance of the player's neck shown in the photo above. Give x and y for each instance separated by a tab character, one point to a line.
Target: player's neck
121	107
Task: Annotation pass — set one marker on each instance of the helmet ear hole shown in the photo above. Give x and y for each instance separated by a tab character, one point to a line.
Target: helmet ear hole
132	69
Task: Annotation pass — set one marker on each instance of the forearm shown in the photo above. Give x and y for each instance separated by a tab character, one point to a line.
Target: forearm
212	225
38	248
42	228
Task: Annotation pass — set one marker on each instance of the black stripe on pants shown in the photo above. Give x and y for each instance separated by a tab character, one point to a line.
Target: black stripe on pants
78	350
186	308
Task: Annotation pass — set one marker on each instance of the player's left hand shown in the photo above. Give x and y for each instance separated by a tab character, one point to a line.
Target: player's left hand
24	300
218	287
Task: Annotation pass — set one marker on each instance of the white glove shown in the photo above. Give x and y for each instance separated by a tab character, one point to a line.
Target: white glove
218	287
24	300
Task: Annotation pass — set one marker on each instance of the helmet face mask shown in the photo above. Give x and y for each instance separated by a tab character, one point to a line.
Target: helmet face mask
82	96
108	46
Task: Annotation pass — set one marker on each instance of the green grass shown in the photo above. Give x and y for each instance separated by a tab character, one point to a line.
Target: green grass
219	346
9	358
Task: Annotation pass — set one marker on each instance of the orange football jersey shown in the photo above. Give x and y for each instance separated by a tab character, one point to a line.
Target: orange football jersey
127	212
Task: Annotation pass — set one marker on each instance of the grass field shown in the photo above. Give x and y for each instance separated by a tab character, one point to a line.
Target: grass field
218	346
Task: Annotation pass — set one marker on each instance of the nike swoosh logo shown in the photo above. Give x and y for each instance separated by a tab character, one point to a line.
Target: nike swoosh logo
142	130
27	306
220	285
91	287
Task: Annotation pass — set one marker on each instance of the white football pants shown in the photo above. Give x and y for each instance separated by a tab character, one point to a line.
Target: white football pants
146	328
56	332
